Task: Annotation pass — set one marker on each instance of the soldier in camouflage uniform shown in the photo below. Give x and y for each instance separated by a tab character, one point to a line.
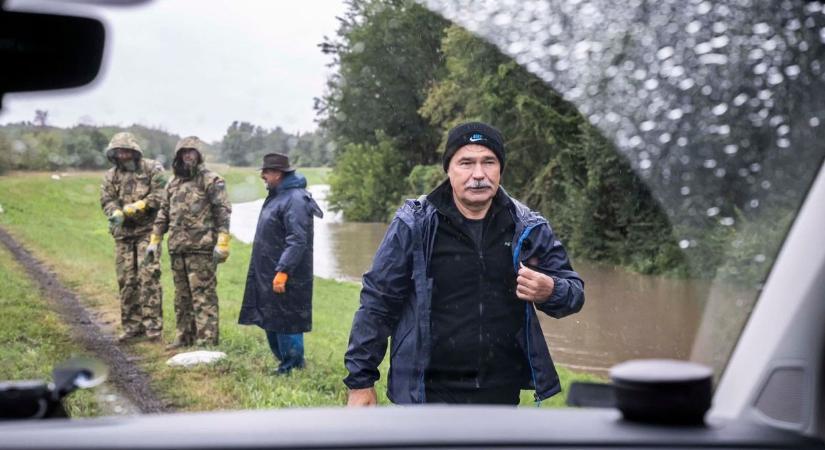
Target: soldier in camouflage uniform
130	196
195	211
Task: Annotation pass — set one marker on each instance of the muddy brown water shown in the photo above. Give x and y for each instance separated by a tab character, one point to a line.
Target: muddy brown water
626	315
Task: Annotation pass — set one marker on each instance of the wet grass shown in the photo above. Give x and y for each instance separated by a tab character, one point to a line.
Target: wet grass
61	223
32	338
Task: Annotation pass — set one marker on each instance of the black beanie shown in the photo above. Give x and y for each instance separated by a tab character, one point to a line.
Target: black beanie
474	133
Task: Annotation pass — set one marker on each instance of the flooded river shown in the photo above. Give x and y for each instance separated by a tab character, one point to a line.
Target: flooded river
343	250
626	315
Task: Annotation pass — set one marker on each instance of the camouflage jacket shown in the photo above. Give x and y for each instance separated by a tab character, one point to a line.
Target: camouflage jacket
121	187
194	210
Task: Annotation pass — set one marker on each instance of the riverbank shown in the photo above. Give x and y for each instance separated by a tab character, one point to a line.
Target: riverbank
60	221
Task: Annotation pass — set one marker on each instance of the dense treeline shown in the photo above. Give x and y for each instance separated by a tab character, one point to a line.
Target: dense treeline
388	53
244	144
37	146
406	76
29	146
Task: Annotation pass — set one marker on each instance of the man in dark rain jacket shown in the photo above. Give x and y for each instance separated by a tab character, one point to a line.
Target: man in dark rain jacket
456	283
278	294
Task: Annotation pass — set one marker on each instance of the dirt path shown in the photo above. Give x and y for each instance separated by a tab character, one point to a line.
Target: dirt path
124	375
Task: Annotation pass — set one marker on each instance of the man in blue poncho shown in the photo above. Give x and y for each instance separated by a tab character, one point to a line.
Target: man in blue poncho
278	294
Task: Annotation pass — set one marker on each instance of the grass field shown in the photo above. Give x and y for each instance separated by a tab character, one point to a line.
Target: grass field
32	337
61	222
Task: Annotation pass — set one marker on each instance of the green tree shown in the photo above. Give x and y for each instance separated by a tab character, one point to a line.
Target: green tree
84	147
423	179
363	175
50	148
555	159
243	143
602	209
5	154
311	149
387	54
41	116
483	84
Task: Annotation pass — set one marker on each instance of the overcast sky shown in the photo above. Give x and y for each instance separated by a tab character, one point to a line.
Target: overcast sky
194	66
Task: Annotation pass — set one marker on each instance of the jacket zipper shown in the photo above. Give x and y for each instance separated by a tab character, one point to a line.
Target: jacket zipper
527	306
429	245
480	303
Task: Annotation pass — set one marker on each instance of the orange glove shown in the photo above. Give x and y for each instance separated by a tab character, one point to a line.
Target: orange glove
279	282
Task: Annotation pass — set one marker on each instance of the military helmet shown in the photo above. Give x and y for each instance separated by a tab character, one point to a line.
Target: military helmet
122	140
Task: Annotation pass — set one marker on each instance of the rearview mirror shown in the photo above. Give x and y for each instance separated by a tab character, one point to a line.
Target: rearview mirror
45	51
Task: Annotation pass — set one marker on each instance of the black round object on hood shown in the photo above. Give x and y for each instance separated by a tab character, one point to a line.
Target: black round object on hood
662	391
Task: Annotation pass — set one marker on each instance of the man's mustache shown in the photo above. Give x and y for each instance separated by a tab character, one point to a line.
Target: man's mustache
478	184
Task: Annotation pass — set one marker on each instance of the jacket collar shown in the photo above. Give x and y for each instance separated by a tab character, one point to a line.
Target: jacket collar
292	180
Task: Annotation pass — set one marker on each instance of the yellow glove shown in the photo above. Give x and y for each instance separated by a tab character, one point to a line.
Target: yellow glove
116	219
279	282
152	249
221	251
133	208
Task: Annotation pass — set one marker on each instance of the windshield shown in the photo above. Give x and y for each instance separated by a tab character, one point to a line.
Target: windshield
710	103
668	144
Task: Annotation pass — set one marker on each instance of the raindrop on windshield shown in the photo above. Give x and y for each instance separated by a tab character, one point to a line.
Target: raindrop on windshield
720	109
792	71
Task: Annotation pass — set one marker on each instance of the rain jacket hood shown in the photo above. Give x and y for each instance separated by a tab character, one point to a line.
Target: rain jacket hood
190	142
122	140
291	180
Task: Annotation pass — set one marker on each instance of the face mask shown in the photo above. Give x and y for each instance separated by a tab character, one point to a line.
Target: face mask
184	169
128	165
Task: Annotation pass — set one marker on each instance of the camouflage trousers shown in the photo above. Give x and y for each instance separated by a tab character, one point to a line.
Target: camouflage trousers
141	295
196	302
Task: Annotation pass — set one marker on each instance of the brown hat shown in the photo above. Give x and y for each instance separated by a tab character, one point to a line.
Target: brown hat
277	161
